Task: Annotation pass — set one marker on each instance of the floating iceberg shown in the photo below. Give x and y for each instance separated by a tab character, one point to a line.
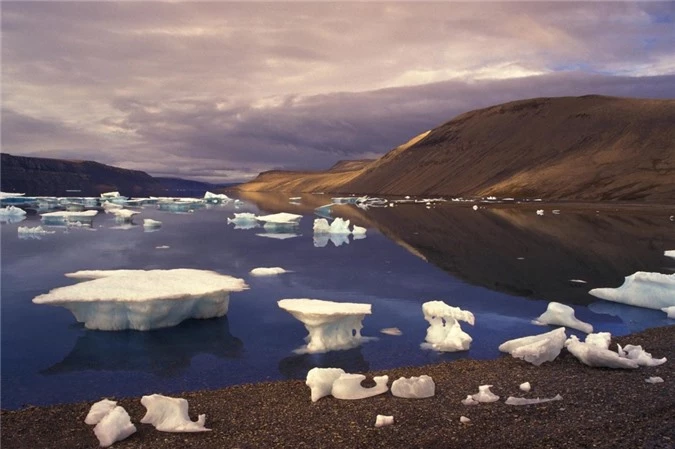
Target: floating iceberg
562	315
414	387
216	198
321	226
265	271
597	357
383	420
282	218
358	231
279	235
331	325
391	331
143	300
536	349
32	233
150	223
320	381
12	211
642	289
170	414
670	311
340	226
122	215
484	395
524	401
348	386
115	426
65	217
110	195
444	332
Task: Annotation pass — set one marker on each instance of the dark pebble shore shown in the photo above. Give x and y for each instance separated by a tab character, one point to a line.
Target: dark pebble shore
601	408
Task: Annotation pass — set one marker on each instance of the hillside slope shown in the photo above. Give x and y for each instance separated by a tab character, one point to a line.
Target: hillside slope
572	148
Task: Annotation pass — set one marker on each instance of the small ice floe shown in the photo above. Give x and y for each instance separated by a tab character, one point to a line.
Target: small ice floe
669	253
525	386
107	205
654	380
524	401
597	357
216	198
149	223
37	232
383	420
484	395
536	349
642	289
279	220
243	220
144	299
331	325
540	212
170	414
562	315
295	198
639	355
278	235
391	331
112	422
12	211
358	232
320	381
464	420
122	215
267	271
110	195
162	247
414	387
670	311
444	332
475	207
348	386
578	281
65	217
556	211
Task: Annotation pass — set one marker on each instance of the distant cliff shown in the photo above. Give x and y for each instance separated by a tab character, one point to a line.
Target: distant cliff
591	148
43	176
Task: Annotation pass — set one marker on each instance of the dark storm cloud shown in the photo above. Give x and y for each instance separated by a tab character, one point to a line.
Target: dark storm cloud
223	90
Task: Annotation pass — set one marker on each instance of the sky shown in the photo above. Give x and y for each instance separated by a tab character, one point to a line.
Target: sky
221	91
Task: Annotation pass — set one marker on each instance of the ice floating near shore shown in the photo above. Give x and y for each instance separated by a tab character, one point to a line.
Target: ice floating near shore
348	386
383	420
524	401
216	197
37	232
358	231
62	217
150	223
143	300
282	218
484	395
243	220
597	357
331	325
444	332
670	311
391	331
170	414
536	349
339	226
414	387
12	211
278	235
562	315
642	289
320	381
122	215
267	271
110	195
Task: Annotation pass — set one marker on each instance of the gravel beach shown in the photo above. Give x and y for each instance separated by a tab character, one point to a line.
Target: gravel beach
601	408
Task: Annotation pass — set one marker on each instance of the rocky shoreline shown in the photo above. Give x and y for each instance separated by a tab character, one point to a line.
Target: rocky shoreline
601	408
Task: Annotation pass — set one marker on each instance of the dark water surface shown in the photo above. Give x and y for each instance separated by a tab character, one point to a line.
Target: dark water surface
503	265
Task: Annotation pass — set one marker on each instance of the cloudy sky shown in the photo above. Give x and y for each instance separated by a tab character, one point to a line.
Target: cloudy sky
220	91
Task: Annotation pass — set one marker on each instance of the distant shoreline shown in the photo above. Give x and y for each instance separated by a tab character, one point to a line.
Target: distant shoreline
601	408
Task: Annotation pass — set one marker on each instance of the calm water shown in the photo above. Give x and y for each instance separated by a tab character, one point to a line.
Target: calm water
47	357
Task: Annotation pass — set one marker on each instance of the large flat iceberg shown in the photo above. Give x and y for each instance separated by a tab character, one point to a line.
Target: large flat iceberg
144	299
331	325
642	289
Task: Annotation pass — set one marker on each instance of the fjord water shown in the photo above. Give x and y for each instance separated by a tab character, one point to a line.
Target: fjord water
503	265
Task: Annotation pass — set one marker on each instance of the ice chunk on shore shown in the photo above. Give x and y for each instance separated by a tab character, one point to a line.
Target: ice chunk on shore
464	420
654	380
536	349
670	311
444	332
642	289
331	325
115	426
169	414
37	232
600	340
562	315
99	410
12	211
144	299
267	271
669	253
640	356
597	357
540	212
469	401
383	420
484	394
348	386
320	381
524	401
414	387
525	386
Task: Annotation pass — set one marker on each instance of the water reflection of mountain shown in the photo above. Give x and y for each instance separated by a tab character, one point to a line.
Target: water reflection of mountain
162	352
513	250
350	360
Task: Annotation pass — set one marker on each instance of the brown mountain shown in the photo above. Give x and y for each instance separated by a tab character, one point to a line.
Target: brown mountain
572	148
